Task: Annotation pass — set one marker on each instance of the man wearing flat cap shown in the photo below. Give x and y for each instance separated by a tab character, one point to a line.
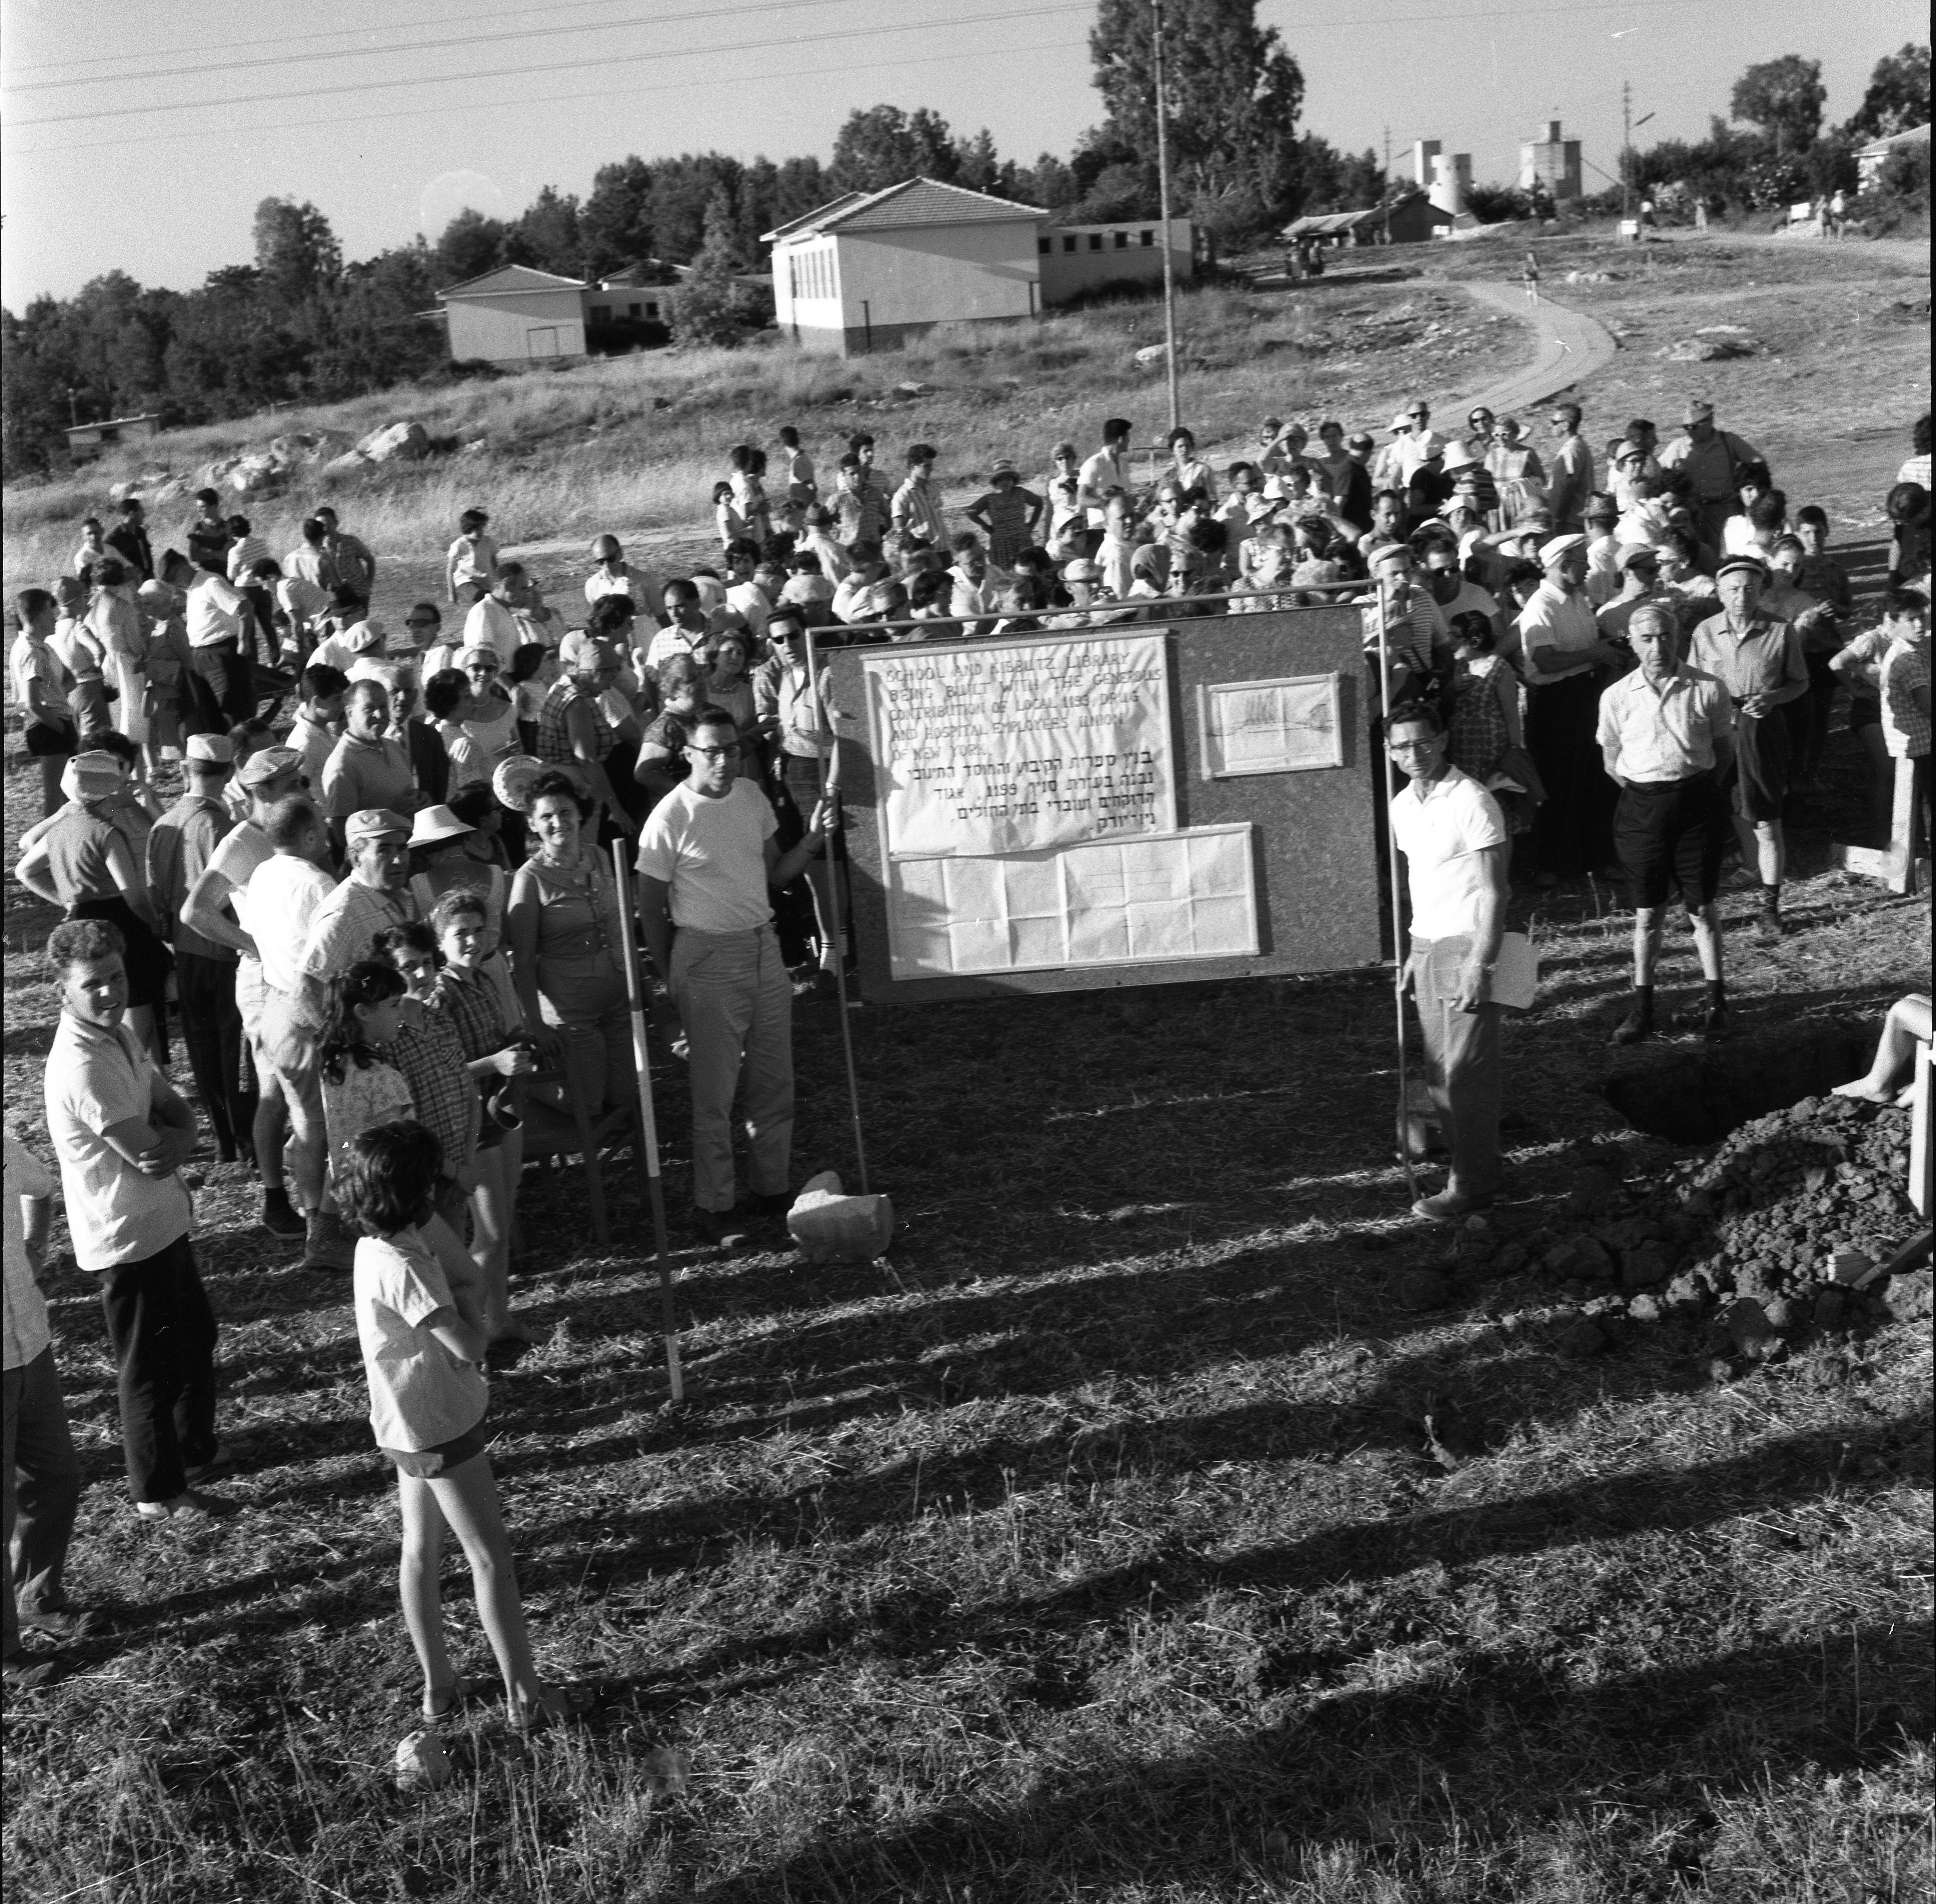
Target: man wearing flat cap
1639	569
180	848
1707	464
1666	736
1757	658
1563	652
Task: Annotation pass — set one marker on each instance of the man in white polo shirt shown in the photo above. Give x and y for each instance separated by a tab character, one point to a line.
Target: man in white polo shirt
707	863
1454	840
121	1134
1560	644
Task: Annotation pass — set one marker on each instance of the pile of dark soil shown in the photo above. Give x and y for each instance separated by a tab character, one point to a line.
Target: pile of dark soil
1779	1231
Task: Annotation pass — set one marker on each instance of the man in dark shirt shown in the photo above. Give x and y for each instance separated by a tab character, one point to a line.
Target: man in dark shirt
183	842
128	539
209	539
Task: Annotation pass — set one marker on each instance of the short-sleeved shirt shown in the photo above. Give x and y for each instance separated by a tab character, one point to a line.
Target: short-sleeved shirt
77	845
712	854
96	1079
1441	835
180	846
30	662
27	1331
366	1095
361	773
1668	732
1553	618
345	923
420	1395
1905	727
1765	657
279	906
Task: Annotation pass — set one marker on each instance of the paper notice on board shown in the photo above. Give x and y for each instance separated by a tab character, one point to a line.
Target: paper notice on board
1022	747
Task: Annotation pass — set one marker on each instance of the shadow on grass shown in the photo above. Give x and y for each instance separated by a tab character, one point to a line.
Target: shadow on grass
1471	1766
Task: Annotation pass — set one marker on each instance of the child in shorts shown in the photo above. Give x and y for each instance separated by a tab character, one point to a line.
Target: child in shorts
419	1320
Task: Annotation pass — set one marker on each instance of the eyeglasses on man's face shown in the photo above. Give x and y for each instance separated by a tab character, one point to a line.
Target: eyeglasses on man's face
730	752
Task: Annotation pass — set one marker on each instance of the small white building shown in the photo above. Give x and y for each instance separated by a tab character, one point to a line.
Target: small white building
1872	157
873	268
514	316
1078	259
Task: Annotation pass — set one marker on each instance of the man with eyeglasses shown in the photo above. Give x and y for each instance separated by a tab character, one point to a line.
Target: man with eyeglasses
1454	840
1416	444
615	576
1572	479
708	863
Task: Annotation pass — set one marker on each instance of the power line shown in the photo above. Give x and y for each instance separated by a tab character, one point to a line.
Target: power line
559	98
563	65
466	20
201	70
1439	19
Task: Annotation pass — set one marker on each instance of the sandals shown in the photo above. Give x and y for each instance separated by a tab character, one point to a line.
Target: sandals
447	1704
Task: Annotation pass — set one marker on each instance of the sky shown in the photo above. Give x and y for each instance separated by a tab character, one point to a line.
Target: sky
150	158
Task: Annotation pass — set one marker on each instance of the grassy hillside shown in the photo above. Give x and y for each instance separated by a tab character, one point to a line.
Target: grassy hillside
635	443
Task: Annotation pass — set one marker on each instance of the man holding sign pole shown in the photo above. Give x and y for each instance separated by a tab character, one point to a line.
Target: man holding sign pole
706	862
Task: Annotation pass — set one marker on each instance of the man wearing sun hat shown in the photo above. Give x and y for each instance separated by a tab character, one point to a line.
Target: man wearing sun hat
180	847
1706	463
375	896
1562	649
1757	658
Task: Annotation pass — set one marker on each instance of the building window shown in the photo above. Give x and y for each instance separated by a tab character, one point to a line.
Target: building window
1069	243
635	310
1122	241
1045	244
601	313
651	310
1149	237
1095	241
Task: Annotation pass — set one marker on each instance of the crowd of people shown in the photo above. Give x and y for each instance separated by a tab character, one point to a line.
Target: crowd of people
381	909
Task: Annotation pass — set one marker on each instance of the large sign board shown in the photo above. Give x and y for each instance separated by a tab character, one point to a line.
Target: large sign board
1118	806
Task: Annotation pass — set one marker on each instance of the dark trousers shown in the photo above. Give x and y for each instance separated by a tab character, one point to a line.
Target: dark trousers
162	1331
42	1486
212	1029
1462	1068
1573	826
231	676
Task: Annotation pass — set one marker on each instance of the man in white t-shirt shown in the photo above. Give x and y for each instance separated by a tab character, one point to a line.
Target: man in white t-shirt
707	861
1106	473
1454	840
280	903
498	621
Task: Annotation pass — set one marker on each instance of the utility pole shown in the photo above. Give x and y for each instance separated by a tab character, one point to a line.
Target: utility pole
1162	206
1385	194
1626	149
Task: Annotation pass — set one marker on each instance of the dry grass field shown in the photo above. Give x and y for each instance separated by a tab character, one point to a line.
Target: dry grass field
1093	1546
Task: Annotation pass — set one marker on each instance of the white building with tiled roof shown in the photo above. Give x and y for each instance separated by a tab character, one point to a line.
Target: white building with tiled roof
871	268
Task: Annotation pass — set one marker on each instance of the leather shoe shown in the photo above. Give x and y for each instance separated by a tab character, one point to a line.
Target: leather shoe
1450	1207
1636	1026
725	1228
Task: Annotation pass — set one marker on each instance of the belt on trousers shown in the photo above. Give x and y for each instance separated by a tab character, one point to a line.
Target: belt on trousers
1662	786
224	641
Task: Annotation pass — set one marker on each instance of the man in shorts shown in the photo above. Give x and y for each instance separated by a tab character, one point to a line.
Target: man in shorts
1757	658
1666	734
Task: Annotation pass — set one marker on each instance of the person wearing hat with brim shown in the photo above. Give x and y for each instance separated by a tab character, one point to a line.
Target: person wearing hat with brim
1639	569
1758	659
180	847
1417	638
1007	514
80	862
1705	463
367	639
1562	651
47	726
1598	522
1666	737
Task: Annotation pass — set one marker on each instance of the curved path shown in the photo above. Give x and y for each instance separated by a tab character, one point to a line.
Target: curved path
1572	347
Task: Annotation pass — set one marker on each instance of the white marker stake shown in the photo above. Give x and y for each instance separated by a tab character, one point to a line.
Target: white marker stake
1398	928
642	1065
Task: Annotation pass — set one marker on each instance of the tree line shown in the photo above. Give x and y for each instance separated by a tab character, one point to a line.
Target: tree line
299	324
